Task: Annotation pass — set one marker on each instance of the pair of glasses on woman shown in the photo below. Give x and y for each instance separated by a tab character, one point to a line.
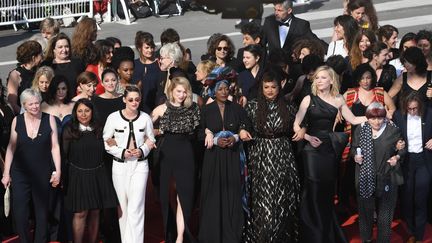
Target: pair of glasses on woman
225	48
130	100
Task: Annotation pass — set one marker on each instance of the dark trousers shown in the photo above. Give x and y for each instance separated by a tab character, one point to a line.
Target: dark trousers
415	193
24	190
384	207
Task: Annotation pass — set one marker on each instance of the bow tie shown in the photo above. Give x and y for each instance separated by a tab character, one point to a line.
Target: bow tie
286	24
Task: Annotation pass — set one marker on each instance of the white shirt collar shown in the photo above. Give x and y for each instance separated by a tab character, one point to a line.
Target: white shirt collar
83	128
411	117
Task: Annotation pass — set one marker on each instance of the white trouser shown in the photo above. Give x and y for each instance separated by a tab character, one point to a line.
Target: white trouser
130	181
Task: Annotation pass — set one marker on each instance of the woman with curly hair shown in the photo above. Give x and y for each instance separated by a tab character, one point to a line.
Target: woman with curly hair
222	52
146	69
275	186
84	35
362	41
304	47
29	56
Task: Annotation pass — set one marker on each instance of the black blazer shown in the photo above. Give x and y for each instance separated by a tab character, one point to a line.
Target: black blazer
299	28
401	121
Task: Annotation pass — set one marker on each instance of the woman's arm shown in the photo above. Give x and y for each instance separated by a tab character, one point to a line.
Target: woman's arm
9	155
150	141
347	113
389	104
396	87
13	83
301	113
55	152
108	132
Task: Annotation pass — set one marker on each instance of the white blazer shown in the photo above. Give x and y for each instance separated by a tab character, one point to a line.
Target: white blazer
123	130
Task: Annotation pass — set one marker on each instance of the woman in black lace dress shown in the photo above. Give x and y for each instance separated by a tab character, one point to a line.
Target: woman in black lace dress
274	187
179	118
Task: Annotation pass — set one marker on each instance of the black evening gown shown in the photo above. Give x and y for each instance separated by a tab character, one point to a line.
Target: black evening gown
317	216
221	210
177	165
274	187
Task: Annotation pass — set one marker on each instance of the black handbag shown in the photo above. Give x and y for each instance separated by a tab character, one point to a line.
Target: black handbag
339	140
140	9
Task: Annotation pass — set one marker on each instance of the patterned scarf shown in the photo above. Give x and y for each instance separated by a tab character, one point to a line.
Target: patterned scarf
367	168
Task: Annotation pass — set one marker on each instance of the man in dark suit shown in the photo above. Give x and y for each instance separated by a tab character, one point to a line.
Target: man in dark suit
282	28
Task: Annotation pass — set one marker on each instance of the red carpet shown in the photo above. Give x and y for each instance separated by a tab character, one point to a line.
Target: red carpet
154	225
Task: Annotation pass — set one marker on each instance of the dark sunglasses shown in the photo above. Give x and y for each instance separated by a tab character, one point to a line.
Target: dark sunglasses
225	48
130	100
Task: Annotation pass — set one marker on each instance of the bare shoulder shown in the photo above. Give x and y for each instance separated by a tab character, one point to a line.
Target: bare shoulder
158	111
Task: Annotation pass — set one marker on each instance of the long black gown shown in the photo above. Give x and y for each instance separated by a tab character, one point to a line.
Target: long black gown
317	216
221	210
177	164
274	187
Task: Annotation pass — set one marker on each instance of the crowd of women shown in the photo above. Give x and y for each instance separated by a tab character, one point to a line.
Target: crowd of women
261	144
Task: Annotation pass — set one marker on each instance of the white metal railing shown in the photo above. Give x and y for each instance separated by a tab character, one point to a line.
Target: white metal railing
14	12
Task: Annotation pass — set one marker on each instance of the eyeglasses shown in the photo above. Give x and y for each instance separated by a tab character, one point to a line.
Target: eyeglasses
225	48
412	108
130	100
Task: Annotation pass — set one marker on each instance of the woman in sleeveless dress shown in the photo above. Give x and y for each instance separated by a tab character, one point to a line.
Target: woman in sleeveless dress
179	118
32	157
29	56
318	222
416	78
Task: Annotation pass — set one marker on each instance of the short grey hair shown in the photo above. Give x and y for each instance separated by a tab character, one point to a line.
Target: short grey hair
286	4
173	51
29	93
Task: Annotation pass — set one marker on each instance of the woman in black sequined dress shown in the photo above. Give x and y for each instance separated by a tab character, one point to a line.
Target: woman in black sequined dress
274	185
179	118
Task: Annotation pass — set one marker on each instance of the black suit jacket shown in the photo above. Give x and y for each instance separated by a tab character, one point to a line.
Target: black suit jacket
401	121
299	28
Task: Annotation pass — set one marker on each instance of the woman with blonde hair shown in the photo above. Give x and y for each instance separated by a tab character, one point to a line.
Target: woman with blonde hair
320	157
203	69
42	80
179	118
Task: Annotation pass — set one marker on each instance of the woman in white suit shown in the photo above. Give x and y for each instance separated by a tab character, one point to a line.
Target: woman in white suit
132	131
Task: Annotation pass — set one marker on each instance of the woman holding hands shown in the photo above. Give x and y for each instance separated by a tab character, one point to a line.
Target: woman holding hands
132	131
317	215
32	149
